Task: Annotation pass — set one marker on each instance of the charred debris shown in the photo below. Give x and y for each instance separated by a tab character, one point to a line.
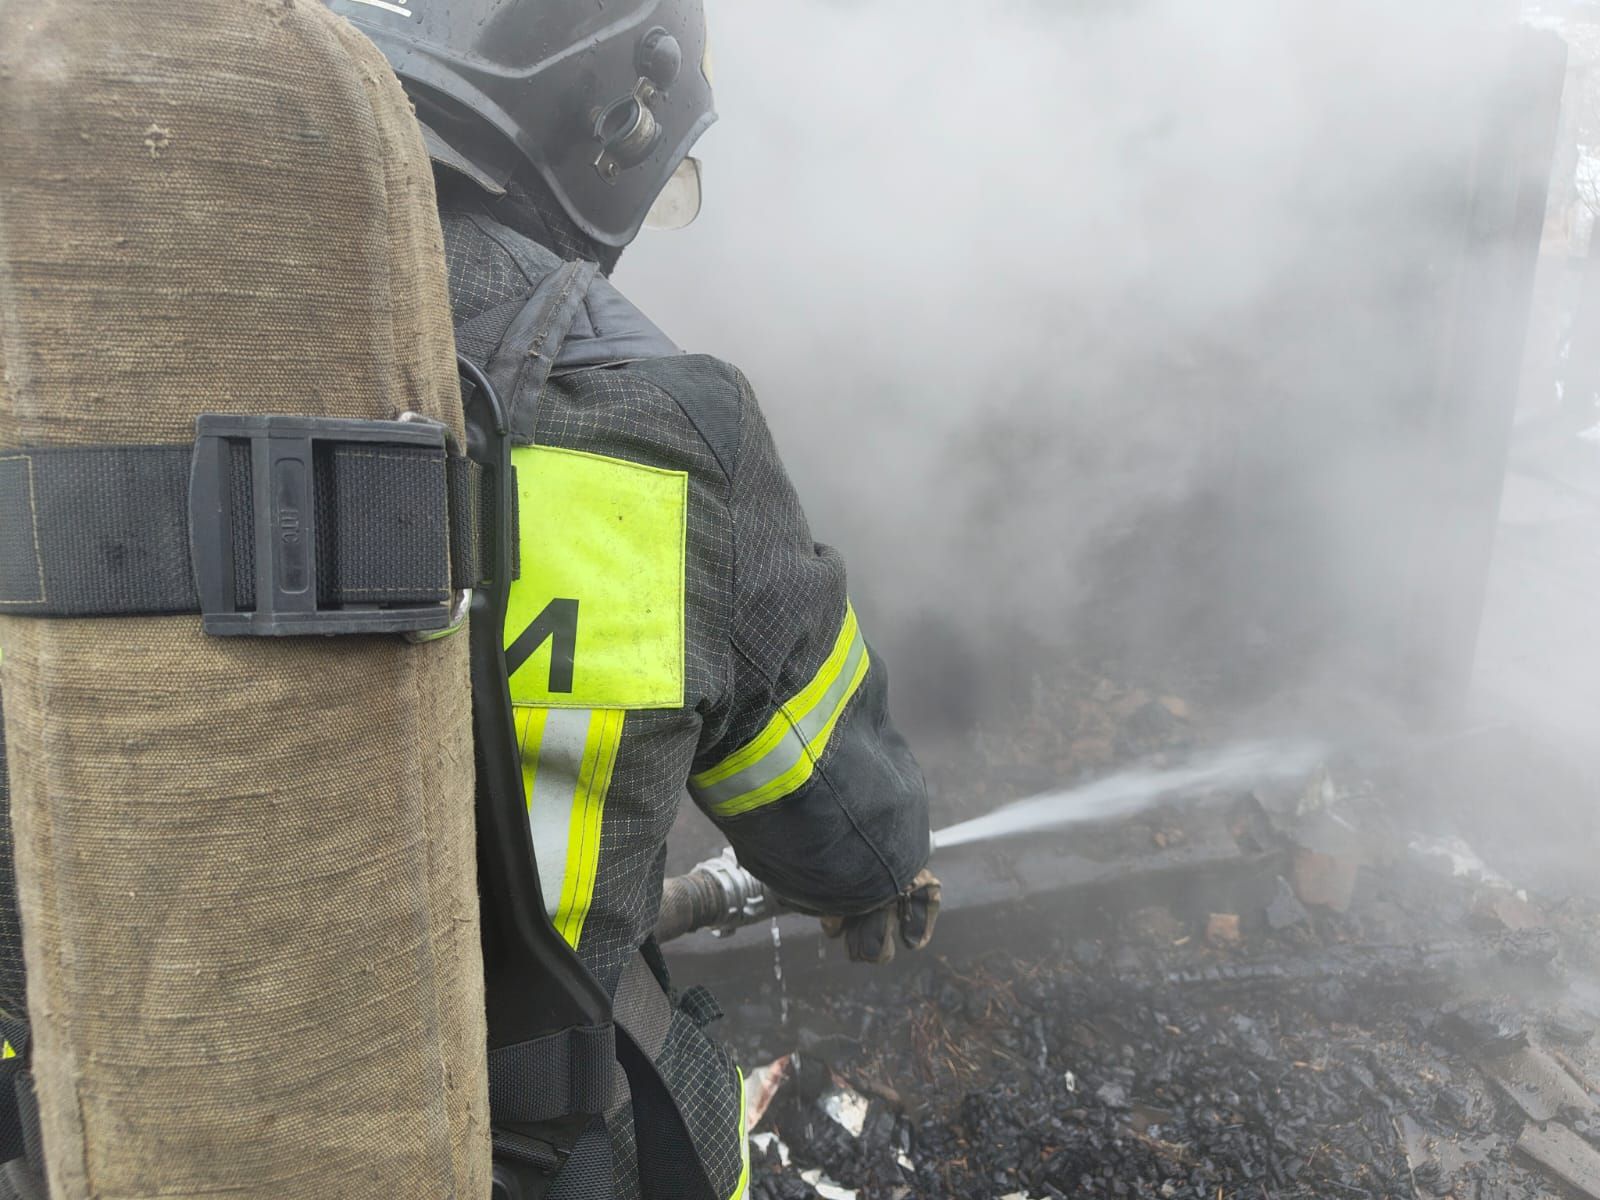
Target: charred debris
1285	993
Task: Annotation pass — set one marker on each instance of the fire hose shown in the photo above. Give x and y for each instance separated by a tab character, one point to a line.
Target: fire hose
719	895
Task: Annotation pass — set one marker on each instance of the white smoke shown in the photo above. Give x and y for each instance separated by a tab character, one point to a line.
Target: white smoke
1091	328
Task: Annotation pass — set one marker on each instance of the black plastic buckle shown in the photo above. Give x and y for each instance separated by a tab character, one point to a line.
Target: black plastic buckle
283	483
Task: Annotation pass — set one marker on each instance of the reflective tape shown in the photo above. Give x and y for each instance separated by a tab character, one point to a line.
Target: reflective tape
596	618
781	759
743	1188
568	756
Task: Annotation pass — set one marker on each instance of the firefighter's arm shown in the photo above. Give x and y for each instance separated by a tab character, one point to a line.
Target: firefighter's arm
800	765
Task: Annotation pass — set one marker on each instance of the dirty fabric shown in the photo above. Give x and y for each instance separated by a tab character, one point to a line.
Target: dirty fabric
763	607
245	868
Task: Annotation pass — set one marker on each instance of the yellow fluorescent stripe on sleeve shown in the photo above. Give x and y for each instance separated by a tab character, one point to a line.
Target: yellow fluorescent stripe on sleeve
791	713
10	1051
784	756
588	812
797	776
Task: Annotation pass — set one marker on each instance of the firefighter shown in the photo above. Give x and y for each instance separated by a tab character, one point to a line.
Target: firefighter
674	625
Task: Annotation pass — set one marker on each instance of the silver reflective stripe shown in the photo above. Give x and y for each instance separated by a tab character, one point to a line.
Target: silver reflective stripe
554	791
791	750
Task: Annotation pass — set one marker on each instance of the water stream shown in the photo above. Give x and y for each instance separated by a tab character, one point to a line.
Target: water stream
777	971
1133	791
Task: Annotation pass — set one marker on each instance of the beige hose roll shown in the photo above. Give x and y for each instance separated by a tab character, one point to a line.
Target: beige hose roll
246	866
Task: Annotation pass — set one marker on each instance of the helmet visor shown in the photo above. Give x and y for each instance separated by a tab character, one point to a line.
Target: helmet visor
679	202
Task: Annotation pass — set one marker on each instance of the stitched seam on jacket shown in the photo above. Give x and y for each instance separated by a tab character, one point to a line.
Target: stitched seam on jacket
553	312
663	394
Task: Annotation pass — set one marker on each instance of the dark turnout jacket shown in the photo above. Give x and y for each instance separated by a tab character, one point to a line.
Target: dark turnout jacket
675	628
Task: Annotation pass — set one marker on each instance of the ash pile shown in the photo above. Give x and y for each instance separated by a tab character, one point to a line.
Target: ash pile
1340	1009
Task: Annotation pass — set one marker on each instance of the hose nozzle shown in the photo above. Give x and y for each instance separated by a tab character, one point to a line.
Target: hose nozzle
718	895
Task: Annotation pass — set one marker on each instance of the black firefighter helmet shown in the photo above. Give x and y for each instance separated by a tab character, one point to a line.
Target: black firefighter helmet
604	100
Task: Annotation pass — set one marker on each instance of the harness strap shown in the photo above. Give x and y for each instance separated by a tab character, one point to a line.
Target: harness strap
553	1076
20	1181
641	1007
366	521
549	1153
28	1108
521	366
643	1013
553	1073
16	1092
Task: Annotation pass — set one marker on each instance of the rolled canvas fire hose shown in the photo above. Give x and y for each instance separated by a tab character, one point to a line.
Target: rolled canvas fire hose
245	865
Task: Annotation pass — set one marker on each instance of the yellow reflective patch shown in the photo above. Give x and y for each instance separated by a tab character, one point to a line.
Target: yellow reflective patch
568	756
597	618
10	1051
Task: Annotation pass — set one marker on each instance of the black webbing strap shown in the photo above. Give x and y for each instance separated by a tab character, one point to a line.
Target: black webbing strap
573	1074
19	1180
28	1107
526	1151
700	1006
521	364
672	1166
641	1006
555	1076
13	1141
132	530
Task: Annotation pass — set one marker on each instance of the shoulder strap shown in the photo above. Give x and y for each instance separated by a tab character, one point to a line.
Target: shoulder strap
673	1166
520	366
551	1039
571	1070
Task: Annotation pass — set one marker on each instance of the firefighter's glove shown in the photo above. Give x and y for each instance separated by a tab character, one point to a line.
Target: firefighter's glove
870	938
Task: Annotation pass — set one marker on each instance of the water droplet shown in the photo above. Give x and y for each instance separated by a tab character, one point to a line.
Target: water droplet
777	973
